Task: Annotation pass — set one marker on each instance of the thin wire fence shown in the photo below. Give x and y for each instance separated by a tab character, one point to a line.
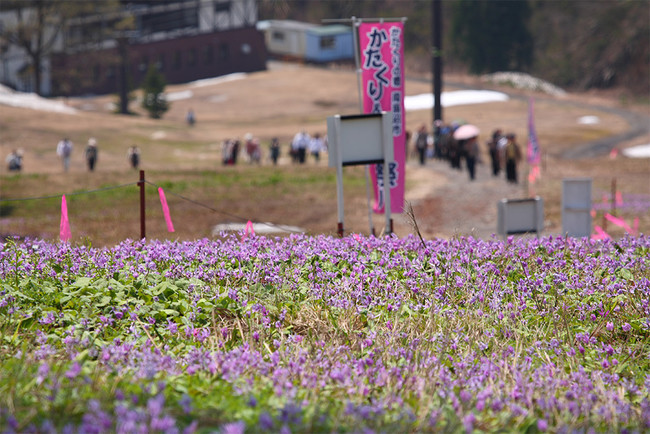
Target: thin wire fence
182	197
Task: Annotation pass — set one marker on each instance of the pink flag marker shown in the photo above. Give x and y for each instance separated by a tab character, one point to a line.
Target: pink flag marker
600	234
619	198
64	228
619	222
534	174
165	209
248	230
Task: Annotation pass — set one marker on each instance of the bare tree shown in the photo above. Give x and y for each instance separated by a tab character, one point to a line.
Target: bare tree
37	26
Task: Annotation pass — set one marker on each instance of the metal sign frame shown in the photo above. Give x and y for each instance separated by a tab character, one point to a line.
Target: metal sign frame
360	140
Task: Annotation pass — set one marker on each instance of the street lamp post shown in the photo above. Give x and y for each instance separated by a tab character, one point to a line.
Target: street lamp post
436	54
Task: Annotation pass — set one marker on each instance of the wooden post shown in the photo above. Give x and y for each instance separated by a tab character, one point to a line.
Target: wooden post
143	232
613	196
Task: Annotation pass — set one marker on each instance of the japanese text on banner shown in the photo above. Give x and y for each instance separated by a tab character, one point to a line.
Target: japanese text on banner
382	60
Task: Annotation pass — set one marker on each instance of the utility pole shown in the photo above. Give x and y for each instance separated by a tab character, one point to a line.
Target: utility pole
436	56
143	228
123	87
123	75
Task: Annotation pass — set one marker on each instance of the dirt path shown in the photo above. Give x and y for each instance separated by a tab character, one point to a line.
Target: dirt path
446	203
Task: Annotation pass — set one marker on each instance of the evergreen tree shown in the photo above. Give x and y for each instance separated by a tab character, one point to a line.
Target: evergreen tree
492	35
153	98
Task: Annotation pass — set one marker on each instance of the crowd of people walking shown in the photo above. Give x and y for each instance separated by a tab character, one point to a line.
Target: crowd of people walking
65	147
64	150
443	144
300	148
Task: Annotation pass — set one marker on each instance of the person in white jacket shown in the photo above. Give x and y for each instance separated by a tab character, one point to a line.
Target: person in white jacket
299	146
316	146
64	151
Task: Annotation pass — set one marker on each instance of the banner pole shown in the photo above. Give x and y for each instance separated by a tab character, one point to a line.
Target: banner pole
339	173
357	63
356	24
143	233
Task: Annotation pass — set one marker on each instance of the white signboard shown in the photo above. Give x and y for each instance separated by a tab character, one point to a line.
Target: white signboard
520	216
360	139
576	207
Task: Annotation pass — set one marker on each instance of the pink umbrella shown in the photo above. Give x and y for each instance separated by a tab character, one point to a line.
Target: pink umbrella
466	131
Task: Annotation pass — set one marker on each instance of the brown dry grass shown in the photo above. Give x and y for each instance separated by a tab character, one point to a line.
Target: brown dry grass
279	102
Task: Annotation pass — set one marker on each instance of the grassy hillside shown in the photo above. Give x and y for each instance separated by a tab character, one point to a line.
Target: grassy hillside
202	192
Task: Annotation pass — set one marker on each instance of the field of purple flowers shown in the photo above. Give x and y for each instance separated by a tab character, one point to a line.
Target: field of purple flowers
321	334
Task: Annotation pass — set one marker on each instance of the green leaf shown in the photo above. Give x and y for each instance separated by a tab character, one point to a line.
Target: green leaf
82	282
103	301
624	274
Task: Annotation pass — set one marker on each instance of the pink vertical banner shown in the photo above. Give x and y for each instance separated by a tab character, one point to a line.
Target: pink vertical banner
381	46
165	209
64	227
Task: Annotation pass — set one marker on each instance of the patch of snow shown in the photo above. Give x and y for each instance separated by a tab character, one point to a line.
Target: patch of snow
519	80
640	151
258	228
447	99
218	80
177	96
32	101
589	120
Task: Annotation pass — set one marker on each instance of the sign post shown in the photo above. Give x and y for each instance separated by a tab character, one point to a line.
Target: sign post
360	140
520	216
576	207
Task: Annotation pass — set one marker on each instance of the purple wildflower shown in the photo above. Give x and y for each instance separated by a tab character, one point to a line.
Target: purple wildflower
74	370
186	403
266	421
468	422
43	371
233	428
